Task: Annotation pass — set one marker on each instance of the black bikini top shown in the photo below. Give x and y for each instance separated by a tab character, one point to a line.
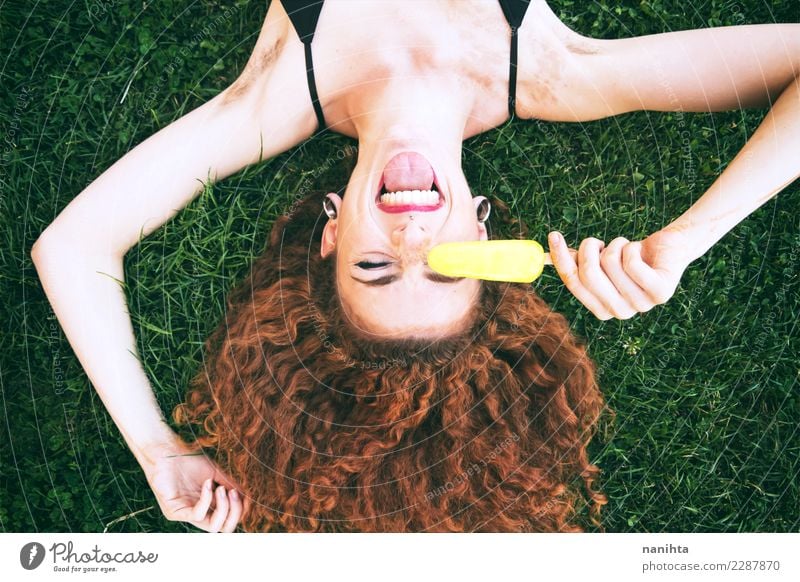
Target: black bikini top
304	15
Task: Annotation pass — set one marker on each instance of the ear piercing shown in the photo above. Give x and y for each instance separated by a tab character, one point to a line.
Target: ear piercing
484	209
329	208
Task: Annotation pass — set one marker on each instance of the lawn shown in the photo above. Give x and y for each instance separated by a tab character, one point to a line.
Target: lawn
705	388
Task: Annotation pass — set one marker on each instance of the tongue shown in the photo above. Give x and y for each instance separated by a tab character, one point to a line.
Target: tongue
407	171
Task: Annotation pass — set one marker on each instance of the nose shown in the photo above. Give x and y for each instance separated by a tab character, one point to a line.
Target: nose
411	238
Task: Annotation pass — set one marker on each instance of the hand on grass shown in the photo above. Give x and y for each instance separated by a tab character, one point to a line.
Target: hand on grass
189	487
622	278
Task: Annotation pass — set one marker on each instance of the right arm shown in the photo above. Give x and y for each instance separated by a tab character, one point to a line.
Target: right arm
79	256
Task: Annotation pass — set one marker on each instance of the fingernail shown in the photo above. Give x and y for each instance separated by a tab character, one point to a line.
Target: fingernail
234	495
208	484
554	238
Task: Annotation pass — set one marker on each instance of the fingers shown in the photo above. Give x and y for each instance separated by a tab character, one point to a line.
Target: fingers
570	275
228	508
221	512
238	504
612	263
234	513
610	281
595	279
568	270
204	503
644	275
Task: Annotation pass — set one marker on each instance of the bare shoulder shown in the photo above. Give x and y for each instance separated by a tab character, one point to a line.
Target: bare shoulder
557	69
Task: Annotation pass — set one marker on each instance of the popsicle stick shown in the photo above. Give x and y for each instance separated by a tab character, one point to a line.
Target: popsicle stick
548	260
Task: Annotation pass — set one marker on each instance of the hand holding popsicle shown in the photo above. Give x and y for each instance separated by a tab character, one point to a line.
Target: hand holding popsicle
618	280
622	278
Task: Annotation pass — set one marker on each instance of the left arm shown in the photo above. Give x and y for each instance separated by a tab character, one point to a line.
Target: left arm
767	164
700	70
629	277
712	69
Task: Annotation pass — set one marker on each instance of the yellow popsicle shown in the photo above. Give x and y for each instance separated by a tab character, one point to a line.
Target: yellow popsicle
516	261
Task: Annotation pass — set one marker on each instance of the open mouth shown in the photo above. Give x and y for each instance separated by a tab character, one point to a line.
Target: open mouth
404	198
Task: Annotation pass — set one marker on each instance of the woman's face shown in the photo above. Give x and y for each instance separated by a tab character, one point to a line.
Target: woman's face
400	203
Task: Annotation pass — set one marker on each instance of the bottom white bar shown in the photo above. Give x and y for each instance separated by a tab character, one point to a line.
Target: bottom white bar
399	557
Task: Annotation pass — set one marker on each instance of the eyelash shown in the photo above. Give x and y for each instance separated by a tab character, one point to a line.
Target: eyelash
368	265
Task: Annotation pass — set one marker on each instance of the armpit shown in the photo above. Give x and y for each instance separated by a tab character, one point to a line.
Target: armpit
260	61
269	47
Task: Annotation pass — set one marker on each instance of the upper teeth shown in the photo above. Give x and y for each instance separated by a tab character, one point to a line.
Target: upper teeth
421	197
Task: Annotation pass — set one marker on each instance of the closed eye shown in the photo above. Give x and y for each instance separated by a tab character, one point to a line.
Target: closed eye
389	279
368	265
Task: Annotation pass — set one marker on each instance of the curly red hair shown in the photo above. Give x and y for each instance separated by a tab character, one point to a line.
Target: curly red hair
324	431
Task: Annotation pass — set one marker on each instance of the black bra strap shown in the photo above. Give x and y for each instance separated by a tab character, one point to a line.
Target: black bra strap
304	15
312	88
512	75
514	11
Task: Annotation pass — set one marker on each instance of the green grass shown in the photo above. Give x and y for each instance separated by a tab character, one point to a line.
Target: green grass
705	388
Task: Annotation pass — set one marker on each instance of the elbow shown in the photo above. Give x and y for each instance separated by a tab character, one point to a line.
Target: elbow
53	242
43	245
66	243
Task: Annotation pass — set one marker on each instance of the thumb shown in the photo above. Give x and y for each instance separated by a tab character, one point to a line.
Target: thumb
644	252
654	250
634	249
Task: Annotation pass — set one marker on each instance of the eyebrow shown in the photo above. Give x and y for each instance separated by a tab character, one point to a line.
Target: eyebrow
388	279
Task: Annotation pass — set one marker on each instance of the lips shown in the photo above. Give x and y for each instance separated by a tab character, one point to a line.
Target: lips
408	183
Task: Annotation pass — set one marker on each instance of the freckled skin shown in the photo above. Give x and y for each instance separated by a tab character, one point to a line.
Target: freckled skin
582	48
260	61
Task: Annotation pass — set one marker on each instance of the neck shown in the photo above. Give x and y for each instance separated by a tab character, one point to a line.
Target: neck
423	114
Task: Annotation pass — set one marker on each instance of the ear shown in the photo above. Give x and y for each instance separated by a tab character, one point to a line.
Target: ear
482	235
328	238
329	231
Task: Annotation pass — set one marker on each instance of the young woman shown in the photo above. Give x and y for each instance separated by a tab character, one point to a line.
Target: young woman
410	85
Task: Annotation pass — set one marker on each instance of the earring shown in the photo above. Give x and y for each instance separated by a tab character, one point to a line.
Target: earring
484	209
329	208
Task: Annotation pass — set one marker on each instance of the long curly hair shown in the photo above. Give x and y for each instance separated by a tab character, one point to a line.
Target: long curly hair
325	431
